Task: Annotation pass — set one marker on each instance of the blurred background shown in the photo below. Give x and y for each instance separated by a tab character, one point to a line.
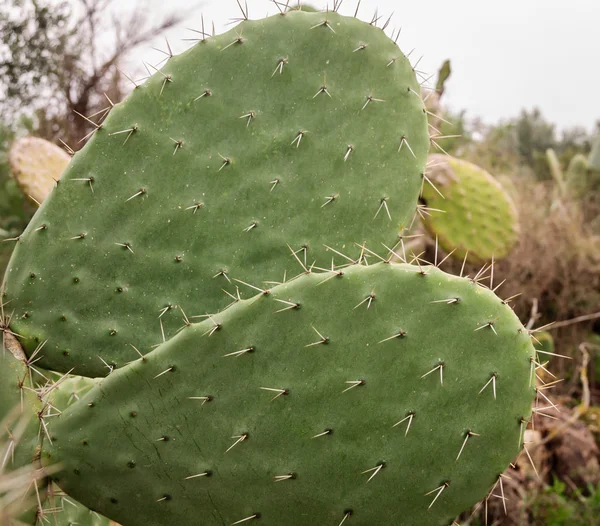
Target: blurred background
511	87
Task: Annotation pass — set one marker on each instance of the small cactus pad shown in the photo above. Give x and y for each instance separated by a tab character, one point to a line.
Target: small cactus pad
388	394
37	164
475	214
285	134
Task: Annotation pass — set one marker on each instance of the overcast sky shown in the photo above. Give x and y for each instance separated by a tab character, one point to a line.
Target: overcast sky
505	55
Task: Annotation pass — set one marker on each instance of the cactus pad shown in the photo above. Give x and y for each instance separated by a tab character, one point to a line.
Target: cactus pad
379	394
475	214
37	164
303	129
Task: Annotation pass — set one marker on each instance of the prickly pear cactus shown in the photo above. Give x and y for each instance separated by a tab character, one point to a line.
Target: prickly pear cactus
37	165
293	133
61	510
468	211
20	445
379	394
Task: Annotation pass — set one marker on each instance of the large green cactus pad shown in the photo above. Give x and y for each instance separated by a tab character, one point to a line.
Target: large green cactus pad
473	213
20	439
304	129
360	394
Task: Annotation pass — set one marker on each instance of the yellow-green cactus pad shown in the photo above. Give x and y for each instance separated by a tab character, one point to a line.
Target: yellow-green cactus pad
470	211
37	164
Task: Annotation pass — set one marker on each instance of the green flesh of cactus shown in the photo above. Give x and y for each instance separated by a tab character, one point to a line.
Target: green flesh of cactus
62	510
20	440
283	408
477	216
303	130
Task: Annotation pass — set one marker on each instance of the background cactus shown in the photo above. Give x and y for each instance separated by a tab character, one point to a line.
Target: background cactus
37	165
469	210
330	396
285	134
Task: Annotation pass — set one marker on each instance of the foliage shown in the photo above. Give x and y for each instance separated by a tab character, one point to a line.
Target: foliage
54	62
558	505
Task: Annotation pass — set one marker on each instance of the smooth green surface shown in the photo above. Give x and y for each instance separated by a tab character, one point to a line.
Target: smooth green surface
92	297
477	215
117	461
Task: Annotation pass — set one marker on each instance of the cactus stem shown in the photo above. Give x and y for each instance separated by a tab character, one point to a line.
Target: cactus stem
469	435
410	417
322	340
439	492
240	439
353	384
